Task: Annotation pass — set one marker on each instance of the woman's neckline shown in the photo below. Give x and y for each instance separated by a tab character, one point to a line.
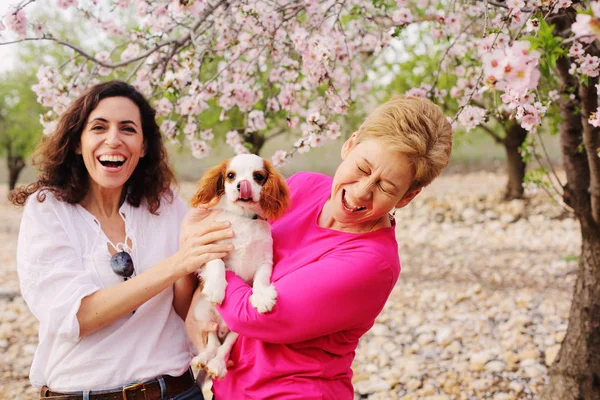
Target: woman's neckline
93	220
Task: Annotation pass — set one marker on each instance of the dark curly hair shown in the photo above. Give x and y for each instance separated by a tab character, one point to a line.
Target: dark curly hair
63	172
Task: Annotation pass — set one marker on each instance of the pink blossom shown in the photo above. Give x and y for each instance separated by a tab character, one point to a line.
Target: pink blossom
562	4
515	5
302	146
207	134
16	21
256	121
594	119
576	50
416	92
533	25
190	129
200	149
530	115
279	158
163	107
65	4
589	65
293	122
471	116
333	131
104	57
583	28
402	16
169	129
123	4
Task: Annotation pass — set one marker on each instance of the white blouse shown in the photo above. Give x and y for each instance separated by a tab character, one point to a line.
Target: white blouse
62	257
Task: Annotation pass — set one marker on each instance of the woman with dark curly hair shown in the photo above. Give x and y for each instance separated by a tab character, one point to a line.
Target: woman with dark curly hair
106	252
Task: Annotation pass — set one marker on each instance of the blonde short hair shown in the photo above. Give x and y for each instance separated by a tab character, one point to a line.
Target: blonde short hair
416	127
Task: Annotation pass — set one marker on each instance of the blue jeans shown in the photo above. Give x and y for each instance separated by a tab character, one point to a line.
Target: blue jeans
193	393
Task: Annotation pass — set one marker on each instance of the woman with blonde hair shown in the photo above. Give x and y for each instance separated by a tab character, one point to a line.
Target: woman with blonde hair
336	260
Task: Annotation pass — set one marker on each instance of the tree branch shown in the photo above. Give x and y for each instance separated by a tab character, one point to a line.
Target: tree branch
589	104
497	138
176	42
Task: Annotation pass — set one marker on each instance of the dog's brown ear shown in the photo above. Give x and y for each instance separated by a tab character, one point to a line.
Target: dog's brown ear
211	185
275	194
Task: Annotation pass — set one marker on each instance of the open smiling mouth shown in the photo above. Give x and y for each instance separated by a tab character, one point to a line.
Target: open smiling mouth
348	204
112	161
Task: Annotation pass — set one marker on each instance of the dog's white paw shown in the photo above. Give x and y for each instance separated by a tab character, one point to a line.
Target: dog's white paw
263	298
217	367
215	293
202	359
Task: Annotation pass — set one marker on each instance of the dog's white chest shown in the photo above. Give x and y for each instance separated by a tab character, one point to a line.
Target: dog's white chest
253	245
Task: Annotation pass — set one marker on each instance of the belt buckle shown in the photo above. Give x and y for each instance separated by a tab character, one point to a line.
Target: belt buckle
130	387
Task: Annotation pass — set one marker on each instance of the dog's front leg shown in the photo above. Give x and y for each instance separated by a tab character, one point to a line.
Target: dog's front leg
213	275
208	353
217	367
263	292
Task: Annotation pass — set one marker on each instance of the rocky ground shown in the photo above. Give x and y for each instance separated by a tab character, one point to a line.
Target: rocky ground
479	311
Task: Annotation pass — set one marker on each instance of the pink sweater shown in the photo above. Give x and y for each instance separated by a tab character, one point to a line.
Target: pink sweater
331	285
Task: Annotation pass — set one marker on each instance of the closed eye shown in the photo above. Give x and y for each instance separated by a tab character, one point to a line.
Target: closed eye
362	170
382	189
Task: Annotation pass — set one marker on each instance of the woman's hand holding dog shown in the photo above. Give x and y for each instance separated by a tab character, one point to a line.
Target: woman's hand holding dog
199	232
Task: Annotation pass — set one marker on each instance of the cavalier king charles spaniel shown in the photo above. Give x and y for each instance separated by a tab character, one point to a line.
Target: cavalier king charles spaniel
250	192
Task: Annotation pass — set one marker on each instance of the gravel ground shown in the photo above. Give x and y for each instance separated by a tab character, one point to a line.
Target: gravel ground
479	311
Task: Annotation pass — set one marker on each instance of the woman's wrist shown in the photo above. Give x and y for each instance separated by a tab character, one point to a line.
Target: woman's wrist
177	265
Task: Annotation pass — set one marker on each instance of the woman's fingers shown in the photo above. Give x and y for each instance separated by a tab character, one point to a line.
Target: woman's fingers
201	248
215	236
206	227
198	261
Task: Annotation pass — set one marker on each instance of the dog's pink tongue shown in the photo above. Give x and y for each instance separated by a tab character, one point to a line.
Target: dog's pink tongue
245	190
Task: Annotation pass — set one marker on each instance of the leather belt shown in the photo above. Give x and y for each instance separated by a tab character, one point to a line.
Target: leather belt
137	391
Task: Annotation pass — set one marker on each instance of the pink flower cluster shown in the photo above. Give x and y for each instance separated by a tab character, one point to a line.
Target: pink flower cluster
16	21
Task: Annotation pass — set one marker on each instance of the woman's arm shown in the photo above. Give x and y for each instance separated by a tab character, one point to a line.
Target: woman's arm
183	290
108	305
333	294
65	297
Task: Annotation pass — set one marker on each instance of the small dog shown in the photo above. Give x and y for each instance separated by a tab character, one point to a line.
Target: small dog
250	192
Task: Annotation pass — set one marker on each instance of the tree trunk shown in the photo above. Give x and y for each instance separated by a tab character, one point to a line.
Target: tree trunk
256	141
515	136
575	375
15	166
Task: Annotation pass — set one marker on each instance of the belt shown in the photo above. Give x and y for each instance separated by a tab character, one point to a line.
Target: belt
137	391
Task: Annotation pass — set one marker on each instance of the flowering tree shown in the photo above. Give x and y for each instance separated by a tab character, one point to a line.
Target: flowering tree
268	66
523	59
264	67
418	65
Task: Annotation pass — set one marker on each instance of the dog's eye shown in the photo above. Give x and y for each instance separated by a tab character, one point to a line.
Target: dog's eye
258	177
231	175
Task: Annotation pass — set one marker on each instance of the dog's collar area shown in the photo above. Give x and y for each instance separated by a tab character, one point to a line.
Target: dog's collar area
252	217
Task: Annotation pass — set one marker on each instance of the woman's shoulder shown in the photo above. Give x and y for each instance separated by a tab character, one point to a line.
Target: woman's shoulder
45	201
310	179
